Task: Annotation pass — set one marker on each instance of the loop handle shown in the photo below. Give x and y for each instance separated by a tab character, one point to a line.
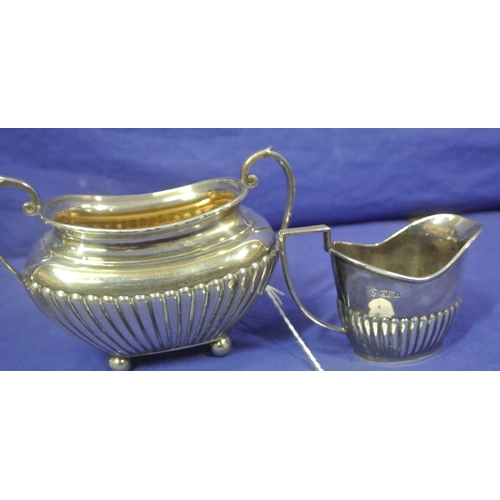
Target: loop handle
252	181
283	235
31	207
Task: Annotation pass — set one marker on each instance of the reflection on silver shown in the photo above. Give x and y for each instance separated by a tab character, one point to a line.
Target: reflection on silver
385	340
157	322
398	298
143	274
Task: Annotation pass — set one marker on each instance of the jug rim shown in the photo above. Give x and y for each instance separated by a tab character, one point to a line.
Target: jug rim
474	230
56	206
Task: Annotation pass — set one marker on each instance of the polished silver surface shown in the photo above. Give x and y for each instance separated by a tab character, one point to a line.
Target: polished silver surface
119	364
134	325
397	299
222	346
143	274
379	339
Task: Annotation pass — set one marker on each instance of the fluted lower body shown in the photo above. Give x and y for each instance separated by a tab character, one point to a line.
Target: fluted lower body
396	340
144	324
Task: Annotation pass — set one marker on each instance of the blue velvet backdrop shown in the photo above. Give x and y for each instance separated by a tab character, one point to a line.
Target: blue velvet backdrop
359	177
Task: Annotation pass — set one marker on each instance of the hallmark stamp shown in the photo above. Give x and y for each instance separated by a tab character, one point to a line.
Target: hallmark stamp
384	294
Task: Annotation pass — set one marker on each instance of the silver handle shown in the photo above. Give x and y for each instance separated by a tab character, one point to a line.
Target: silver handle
283	235
31	207
252	181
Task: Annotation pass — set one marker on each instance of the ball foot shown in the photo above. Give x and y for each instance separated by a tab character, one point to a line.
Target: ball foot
119	364
222	346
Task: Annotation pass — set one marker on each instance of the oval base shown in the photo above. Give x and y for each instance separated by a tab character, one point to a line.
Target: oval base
402	360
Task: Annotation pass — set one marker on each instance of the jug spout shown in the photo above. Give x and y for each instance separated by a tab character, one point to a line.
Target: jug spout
420	252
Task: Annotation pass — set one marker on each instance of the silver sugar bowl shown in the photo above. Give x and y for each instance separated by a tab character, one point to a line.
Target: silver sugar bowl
151	273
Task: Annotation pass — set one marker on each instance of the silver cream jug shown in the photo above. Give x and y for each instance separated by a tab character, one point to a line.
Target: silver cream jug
396	299
144	274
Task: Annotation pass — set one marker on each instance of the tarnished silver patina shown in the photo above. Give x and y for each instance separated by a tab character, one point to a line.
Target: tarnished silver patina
397	299
144	274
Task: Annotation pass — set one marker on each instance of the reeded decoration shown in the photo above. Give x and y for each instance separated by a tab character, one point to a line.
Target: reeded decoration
157	322
381	339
